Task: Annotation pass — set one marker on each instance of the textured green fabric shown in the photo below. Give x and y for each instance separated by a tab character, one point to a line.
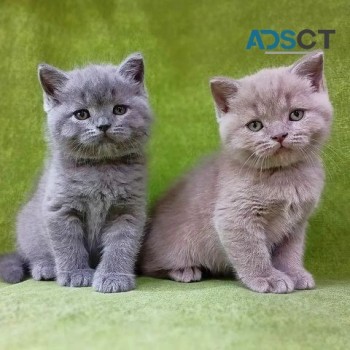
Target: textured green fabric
169	315
184	43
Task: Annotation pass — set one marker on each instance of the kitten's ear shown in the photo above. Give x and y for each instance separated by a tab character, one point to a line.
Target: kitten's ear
222	90
311	67
51	80
133	68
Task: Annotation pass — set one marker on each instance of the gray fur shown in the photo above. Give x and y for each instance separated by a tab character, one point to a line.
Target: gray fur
12	268
89	208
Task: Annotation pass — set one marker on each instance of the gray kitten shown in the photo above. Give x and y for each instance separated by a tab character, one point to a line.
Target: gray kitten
89	208
247	208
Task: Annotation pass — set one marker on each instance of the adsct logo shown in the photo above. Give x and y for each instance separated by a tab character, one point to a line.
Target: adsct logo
287	40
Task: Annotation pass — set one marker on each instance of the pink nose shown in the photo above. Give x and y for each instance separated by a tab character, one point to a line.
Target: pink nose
280	138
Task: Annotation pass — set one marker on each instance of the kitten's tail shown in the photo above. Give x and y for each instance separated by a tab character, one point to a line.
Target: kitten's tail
12	268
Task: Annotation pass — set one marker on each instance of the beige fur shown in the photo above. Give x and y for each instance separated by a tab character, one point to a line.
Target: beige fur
245	210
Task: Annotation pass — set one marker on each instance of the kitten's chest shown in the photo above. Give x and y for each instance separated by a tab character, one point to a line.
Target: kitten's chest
105	186
278	202
287	203
101	190
95	218
284	210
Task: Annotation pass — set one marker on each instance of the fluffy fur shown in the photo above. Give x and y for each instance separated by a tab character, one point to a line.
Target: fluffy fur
88	210
245	210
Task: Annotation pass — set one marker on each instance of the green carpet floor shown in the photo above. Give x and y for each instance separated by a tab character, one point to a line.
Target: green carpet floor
168	315
184	42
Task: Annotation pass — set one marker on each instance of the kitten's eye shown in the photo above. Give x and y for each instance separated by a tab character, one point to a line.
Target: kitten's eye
81	114
296	115
120	109
255	125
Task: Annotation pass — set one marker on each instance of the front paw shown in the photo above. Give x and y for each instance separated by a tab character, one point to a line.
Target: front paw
75	278
113	282
303	280
277	282
43	271
187	274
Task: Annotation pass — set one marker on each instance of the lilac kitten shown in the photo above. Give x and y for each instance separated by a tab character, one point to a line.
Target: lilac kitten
246	209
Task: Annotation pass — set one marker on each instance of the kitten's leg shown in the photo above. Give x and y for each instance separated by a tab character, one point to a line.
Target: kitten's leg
288	257
71	258
250	257
121	242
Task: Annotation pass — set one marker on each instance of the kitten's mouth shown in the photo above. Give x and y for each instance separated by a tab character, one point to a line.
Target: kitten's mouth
106	139
281	149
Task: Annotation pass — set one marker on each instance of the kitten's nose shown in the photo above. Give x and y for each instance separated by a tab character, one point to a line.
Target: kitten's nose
104	127
280	137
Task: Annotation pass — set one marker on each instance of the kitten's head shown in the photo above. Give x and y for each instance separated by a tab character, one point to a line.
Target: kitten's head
97	112
276	117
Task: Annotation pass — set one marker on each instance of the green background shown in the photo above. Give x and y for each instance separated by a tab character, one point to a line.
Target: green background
184	44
